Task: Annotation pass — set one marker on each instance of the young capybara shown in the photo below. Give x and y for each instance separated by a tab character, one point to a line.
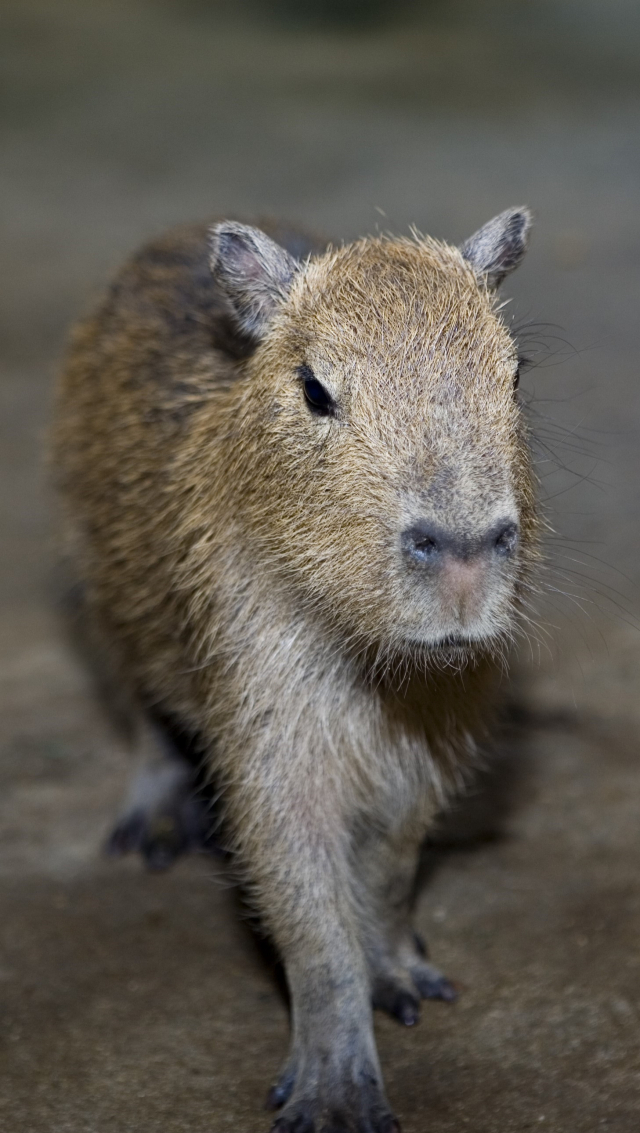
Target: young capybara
299	497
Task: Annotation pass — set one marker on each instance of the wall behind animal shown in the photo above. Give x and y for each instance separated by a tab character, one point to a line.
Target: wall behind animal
136	999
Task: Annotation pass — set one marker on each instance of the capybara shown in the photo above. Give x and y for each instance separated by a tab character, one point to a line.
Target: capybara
298	494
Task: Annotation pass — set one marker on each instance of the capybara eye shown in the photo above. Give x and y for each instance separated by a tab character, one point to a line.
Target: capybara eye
316	396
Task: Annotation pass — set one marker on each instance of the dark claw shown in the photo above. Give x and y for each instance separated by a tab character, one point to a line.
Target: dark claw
398	1002
275	1098
438	988
407	1009
280	1092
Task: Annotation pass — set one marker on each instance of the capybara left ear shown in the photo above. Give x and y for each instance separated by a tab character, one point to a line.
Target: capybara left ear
254	272
498	247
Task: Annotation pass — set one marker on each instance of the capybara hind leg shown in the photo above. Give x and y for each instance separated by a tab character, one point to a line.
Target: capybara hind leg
400	970
162	816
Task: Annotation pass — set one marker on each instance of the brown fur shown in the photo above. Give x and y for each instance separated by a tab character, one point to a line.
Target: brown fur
242	560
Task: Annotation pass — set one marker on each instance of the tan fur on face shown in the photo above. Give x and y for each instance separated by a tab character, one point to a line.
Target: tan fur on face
243	563
422	369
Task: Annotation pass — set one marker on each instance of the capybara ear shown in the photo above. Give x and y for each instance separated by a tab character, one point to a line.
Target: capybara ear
498	247
254	272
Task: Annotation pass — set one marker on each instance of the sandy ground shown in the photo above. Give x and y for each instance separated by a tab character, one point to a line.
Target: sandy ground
139	1002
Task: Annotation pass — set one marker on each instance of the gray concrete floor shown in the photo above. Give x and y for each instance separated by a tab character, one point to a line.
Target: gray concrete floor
141	1002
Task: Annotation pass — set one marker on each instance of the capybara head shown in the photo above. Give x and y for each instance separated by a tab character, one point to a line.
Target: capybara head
384	466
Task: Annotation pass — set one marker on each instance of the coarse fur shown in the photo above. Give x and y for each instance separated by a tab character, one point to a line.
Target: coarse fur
299	496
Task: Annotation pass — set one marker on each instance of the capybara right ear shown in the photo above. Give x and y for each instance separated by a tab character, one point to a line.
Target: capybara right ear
254	272
498	247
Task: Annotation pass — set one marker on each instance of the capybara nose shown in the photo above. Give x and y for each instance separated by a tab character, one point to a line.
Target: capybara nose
426	543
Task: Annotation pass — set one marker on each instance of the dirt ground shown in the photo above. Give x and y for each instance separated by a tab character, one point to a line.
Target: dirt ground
141	1002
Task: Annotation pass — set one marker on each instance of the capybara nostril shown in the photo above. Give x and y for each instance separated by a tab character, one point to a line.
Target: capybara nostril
506	540
422	543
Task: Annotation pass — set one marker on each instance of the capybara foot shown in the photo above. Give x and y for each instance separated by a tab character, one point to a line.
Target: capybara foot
355	1117
326	1103
164	817
407	977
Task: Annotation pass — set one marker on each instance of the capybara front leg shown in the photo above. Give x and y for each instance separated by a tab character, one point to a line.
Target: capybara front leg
296	854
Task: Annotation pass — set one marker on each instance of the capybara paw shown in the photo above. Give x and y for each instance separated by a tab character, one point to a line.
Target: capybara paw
357	1116
398	987
428	981
160	837
331	1103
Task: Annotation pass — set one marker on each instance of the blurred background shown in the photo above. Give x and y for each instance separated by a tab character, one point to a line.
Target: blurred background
139	1002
